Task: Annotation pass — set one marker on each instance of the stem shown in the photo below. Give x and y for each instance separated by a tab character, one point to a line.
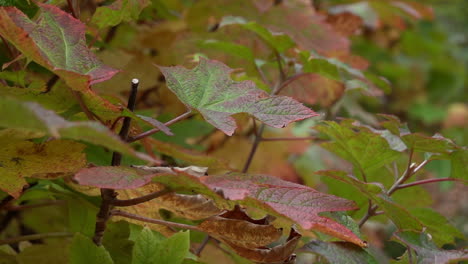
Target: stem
288	81
153	221
108	195
258	138
416	183
155	130
202	245
288	138
141	199
34	237
72	9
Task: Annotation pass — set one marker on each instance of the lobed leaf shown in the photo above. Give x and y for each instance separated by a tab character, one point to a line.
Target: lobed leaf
209	89
56	41
296	202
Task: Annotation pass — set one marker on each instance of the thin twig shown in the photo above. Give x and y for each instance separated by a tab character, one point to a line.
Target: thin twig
141	199
153	221
108	195
202	245
288	139
416	183
289	81
155	130
34	237
72	9
254	148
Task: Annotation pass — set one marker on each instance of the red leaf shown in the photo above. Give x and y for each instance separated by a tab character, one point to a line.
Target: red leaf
297	202
56	41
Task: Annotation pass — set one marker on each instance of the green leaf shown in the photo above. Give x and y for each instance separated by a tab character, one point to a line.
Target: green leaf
434	144
437	225
229	48
117	242
340	252
118	12
151	248
278	41
209	89
459	162
81	216
395	212
57	42
427	252
55	252
84	251
365	149
32	117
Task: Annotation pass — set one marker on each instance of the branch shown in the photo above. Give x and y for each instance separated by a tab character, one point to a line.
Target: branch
153	221
34	237
108	195
258	139
289	81
155	130
416	183
141	199
288	138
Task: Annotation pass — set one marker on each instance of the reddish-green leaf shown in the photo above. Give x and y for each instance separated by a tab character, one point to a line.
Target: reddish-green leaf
56	41
209	89
340	252
289	200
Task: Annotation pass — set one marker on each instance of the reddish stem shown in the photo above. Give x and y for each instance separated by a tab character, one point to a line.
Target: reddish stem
141	199
154	221
155	130
416	183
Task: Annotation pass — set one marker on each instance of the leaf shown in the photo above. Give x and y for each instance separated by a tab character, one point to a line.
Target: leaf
32	117
193	207
44	254
288	200
83	250
118	12
245	232
281	253
57	42
230	48
112	177
152	249
340	252
278	41
209	89
435	144
116	241
459	162
53	159
395	212
81	216
437	225
427	252
365	149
